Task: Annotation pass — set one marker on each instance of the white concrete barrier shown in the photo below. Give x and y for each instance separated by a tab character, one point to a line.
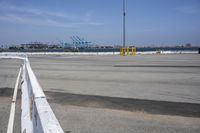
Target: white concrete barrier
37	115
60	53
7	56
99	53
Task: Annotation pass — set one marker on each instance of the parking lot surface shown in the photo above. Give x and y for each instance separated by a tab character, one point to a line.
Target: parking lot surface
145	93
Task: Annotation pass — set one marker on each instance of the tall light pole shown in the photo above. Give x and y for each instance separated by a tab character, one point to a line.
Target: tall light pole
124	23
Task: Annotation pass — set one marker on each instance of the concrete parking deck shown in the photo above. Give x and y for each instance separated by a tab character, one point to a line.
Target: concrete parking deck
145	93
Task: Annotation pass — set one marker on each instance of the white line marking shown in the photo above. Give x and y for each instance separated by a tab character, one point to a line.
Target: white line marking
12	110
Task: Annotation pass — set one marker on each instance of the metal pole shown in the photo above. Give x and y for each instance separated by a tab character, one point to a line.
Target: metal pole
124	23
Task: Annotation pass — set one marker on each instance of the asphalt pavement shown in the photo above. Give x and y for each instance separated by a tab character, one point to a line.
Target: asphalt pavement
145	93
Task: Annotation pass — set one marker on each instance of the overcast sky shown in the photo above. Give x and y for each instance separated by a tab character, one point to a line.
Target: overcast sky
149	22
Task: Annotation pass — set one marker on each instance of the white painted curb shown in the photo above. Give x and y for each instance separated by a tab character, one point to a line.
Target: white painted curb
12	110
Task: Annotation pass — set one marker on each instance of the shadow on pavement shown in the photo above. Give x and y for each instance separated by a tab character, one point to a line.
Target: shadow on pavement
127	104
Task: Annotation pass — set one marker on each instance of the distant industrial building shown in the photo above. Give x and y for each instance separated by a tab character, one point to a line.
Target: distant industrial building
34	45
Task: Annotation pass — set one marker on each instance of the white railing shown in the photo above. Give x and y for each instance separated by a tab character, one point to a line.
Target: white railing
37	115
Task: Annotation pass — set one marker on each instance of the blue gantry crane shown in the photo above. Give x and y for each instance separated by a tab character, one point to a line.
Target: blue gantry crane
77	42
